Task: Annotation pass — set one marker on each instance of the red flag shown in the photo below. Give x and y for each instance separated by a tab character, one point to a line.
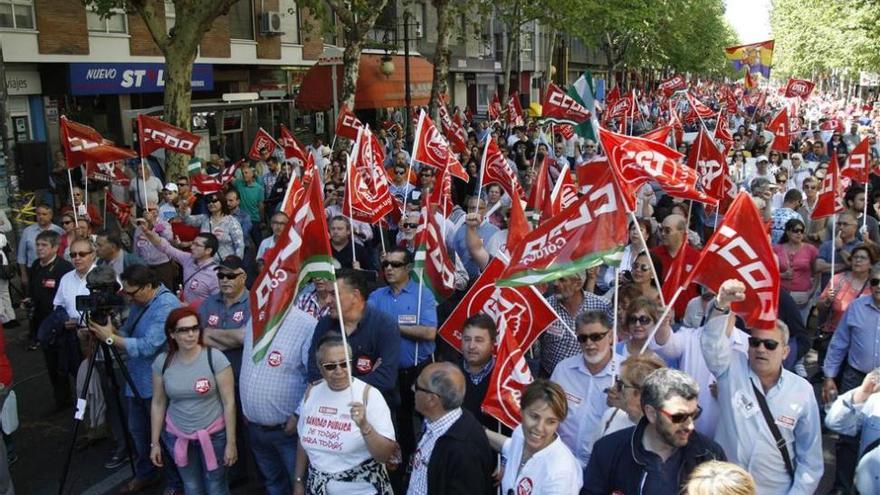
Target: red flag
525	313
509	379
367	197
495	108
292	147
584	235
290	265
431	259
107	172
830	200
833	124
263	140
347	125
621	107
637	161
729	99
612	97
514	110
671	85
858	163
154	134
779	126
709	163
205	184
558	107
517	225
308	170
659	135
698	110
495	169
227	175
721	132
121	211
441	193
740	249
83	144
748	82
431	149
672	279
455	133
564	193
565	130
539	194
799	88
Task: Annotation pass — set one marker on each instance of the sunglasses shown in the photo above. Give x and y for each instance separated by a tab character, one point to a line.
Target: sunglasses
592	337
228	276
194	328
642	320
212	199
393	264
80	254
769	344
875	282
182	184
682	417
797	231
410	225
333	366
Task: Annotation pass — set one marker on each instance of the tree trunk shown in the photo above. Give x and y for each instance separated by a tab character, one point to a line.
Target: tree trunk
351	58
508	66
178	101
441	56
551	46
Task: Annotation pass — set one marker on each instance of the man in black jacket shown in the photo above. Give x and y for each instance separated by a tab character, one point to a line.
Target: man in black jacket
658	454
453	455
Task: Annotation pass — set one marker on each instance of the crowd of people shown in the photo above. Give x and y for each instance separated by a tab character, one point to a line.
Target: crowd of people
703	406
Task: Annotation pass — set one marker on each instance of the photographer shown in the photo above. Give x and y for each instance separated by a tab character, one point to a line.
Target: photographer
142	337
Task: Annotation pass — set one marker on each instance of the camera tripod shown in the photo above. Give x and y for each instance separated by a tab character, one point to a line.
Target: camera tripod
110	353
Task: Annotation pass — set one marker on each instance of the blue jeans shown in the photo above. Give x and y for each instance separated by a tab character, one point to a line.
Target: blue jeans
139	427
197	480
275	455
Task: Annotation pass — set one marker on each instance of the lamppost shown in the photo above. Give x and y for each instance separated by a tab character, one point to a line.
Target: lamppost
404	26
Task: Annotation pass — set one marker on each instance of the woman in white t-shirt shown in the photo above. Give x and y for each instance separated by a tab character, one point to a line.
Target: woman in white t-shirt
535	460
345	431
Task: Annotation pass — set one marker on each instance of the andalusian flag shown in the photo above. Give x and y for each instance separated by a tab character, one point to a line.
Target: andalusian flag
583	92
756	58
432	262
194	167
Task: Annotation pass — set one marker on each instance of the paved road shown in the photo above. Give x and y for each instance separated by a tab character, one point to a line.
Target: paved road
44	437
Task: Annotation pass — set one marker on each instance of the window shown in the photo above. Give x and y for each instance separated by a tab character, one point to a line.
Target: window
116	23
170	16
17	14
417	18
526	45
290	21
241	20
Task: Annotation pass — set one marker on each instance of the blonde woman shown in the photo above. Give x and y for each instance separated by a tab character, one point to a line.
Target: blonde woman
720	478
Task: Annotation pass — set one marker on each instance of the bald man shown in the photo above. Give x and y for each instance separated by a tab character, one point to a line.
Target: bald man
673	235
454	455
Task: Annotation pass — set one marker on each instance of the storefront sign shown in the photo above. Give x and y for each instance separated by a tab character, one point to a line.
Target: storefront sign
23	82
98	78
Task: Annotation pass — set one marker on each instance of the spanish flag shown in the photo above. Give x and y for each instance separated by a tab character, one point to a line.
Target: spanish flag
749	83
756	58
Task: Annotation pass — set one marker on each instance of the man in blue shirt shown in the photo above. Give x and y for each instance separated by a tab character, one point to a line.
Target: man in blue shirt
852	353
415	311
459	242
142	337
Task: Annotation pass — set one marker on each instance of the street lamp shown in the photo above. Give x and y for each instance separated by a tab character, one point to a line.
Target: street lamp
387	66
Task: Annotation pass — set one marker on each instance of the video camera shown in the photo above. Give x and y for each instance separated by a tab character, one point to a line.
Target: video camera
103	299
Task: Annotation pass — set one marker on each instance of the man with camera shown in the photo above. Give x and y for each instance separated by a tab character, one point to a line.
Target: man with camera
142	337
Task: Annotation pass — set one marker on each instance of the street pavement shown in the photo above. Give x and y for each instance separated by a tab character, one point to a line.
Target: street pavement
44	437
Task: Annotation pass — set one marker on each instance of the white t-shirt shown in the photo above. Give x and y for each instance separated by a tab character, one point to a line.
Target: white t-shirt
331	439
552	471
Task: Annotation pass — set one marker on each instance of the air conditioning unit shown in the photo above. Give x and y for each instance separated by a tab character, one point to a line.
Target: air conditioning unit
270	23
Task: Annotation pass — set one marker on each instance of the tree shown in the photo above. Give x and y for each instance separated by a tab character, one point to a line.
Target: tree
179	46
445	9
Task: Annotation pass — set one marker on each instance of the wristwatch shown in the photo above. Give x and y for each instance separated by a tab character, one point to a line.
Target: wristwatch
109	340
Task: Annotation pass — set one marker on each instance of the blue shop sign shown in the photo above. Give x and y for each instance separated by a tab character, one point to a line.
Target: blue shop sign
111	79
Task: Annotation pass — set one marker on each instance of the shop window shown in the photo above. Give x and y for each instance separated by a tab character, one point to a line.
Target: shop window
17	14
241	20
115	23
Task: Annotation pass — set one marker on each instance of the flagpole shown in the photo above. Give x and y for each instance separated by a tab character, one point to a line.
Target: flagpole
72	202
412	157
614	324
143	182
661	319
382	237
344	336
635	222
350	189
833	245
865	212
106	192
421	279
482	170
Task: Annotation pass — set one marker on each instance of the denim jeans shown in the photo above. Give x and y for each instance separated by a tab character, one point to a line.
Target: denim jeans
197	480
275	455
139	427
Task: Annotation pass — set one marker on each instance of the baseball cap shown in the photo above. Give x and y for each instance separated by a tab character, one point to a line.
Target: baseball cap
231	262
171	187
761	158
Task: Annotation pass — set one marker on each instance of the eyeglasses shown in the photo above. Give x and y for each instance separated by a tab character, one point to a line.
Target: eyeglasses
769	344
228	276
194	328
859	257
80	254
410	225
641	267
419	388
133	292
393	264
333	366
592	337
679	418
875	282
642	320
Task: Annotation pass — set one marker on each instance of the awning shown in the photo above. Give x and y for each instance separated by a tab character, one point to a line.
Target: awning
374	89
